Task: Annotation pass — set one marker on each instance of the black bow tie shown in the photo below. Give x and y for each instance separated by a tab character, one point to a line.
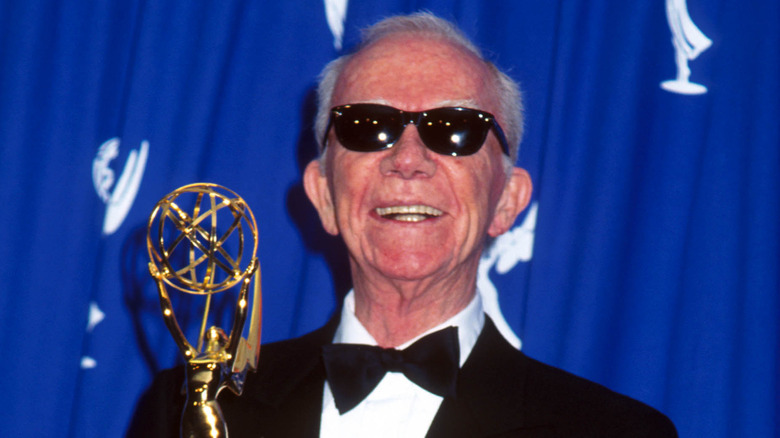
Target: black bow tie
354	370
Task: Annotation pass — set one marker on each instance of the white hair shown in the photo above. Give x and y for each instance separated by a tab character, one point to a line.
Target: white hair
426	24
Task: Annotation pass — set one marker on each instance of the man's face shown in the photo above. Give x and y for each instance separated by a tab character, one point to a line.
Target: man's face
407	213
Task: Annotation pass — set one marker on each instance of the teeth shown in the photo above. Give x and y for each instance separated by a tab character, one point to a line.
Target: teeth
408	213
409	209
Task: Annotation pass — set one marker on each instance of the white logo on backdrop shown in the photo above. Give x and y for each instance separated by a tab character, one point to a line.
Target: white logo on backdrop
689	42
118	198
336	14
95	317
504	254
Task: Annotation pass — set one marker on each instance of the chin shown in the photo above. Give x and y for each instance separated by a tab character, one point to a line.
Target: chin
410	267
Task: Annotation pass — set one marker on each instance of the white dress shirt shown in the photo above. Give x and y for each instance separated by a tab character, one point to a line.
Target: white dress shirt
396	408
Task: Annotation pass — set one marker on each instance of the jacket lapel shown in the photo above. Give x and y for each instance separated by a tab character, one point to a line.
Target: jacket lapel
284	397
490	395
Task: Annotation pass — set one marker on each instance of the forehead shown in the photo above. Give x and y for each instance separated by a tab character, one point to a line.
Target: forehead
414	72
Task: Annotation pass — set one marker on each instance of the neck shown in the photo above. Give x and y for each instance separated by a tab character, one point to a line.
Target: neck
394	312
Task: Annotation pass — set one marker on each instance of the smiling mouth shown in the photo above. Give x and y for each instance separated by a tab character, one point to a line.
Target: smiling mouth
408	213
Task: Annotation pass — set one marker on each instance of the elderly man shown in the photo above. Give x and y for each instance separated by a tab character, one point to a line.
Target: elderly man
419	136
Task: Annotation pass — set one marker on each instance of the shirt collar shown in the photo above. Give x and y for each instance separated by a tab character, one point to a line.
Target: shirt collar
468	321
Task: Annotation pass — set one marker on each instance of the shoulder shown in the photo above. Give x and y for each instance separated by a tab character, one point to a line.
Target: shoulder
286	369
546	396
282	359
283	367
582	406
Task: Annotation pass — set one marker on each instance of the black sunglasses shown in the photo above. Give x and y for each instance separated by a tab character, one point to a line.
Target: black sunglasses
456	131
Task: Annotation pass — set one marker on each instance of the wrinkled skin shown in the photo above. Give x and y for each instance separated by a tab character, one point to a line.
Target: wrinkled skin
410	275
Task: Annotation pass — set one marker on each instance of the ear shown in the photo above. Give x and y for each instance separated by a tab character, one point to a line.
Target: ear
513	200
315	182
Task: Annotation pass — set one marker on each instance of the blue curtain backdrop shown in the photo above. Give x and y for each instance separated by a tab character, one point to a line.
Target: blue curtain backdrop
656	243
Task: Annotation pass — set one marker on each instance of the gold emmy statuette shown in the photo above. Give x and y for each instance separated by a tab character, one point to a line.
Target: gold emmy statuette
202	240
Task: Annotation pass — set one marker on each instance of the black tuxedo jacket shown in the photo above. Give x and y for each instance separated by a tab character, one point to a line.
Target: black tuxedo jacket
500	393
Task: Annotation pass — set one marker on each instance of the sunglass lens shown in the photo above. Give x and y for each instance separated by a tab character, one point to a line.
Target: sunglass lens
367	127
453	131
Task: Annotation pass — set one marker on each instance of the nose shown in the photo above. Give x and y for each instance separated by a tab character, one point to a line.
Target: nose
409	158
